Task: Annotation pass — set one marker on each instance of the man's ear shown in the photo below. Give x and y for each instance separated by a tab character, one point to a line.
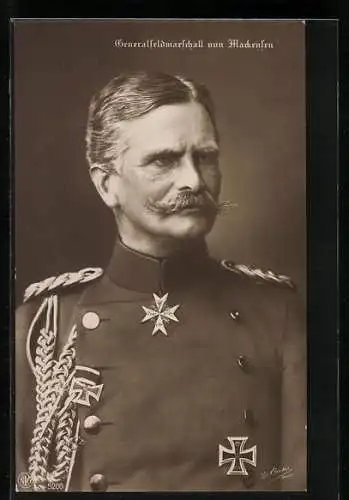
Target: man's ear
107	185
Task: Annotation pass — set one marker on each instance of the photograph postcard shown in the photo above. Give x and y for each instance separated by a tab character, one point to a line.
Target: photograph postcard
161	255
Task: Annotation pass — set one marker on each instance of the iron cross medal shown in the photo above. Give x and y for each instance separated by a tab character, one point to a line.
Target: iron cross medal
160	313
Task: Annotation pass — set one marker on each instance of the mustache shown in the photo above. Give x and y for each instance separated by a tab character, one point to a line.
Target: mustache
188	199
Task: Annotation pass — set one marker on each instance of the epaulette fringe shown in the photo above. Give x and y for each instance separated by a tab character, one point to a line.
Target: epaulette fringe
259	274
64	280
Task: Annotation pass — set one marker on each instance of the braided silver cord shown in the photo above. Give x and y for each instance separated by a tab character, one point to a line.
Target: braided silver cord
64	433
257	273
44	364
65	442
54	437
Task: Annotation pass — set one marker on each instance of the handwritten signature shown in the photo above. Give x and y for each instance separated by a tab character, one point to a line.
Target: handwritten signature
277	472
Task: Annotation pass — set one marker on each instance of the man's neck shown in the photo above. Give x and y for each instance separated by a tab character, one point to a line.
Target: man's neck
159	248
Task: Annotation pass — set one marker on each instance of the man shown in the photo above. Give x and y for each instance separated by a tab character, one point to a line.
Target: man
168	371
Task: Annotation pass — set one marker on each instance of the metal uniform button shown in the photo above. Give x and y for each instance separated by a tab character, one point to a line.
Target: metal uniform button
249	417
242	362
235	315
98	482
90	320
92	424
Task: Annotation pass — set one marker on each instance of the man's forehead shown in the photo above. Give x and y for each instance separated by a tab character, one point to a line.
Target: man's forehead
174	126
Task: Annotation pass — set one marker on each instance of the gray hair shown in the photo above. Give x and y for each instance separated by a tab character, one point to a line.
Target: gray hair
129	96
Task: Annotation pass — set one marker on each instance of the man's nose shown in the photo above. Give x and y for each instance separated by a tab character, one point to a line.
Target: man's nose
189	176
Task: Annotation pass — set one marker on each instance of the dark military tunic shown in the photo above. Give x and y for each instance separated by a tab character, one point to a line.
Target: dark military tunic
232	364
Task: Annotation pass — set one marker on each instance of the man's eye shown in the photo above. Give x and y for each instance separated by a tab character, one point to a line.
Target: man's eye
206	157
165	161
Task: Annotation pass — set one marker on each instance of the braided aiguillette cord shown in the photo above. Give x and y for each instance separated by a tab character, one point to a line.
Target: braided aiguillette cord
46	302
71	337
72	460
58	400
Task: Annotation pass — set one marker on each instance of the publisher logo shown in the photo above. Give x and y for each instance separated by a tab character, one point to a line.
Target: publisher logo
24	480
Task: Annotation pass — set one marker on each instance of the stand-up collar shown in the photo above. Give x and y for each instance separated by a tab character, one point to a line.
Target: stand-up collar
135	271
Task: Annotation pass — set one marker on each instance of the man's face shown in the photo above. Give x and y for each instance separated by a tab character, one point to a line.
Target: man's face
169	182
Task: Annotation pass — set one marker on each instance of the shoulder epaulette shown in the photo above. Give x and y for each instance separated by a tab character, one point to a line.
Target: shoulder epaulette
258	274
64	280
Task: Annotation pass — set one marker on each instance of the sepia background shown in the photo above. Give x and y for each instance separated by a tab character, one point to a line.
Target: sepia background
60	222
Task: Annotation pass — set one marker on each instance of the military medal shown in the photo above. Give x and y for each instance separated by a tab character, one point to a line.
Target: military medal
160	313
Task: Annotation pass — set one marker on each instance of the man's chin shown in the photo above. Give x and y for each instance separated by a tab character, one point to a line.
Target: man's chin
191	226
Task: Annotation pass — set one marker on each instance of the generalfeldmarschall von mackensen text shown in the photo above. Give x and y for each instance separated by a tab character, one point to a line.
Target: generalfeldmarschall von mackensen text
186	44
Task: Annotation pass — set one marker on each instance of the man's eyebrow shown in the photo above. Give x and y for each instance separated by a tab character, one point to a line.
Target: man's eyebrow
154	155
177	153
209	148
